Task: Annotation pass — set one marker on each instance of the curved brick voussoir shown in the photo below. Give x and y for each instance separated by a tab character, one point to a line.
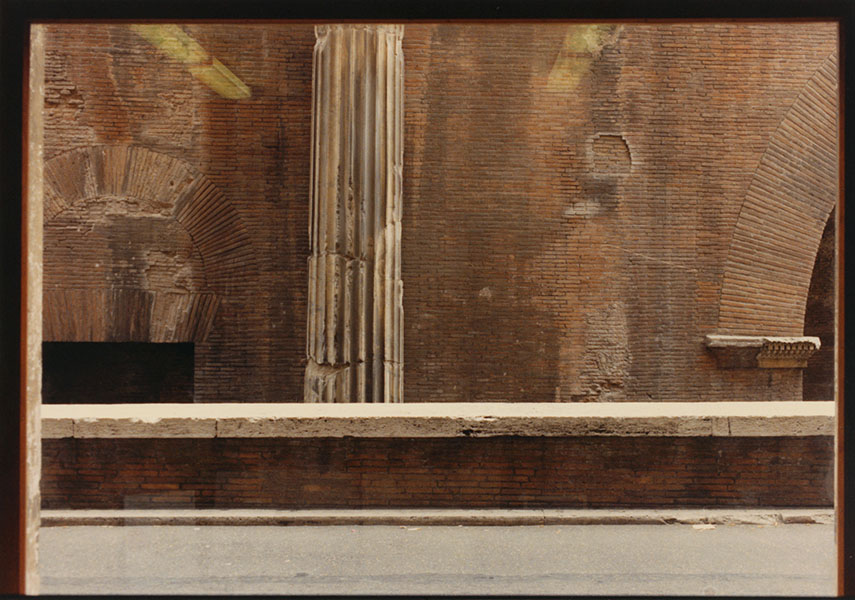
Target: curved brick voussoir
786	207
67	179
190	197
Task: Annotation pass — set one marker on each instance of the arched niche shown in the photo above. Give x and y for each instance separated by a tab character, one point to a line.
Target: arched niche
140	247
767	275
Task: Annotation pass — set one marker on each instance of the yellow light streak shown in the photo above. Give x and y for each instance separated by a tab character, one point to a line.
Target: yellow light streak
582	44
175	43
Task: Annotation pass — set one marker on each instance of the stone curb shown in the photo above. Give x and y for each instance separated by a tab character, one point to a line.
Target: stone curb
770	516
623	419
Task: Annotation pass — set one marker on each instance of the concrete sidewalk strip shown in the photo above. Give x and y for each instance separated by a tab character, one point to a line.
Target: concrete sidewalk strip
677	516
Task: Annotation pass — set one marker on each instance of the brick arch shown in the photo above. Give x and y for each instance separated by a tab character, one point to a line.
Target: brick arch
794	189
105	311
132	171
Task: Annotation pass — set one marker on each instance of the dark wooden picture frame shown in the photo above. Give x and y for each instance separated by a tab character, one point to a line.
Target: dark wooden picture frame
15	19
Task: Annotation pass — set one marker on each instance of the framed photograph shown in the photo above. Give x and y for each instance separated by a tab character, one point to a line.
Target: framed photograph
569	267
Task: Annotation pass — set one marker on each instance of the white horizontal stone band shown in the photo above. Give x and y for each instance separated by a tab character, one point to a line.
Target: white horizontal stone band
685	419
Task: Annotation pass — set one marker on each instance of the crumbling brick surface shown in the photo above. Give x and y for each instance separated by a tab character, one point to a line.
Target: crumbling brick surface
508	472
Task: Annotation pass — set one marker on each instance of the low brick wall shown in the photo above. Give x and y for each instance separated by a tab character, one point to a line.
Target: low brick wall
737	454
438	472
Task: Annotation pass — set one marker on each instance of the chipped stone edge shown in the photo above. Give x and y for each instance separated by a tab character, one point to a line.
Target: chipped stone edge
167	427
719	419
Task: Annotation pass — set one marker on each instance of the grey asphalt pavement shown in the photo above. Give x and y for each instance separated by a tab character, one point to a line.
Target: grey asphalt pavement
762	560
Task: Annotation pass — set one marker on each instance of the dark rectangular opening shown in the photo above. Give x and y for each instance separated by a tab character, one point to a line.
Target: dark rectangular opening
116	373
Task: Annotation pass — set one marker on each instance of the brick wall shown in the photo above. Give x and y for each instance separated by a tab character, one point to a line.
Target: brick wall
570	195
105	85
537	267
470	472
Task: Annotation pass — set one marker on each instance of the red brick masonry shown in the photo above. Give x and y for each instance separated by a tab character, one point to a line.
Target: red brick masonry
499	472
573	213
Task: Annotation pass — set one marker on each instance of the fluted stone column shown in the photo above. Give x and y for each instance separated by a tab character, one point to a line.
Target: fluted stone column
355	314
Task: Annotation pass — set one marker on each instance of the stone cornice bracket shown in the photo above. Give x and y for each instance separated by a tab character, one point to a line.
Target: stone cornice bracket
354	337
764	352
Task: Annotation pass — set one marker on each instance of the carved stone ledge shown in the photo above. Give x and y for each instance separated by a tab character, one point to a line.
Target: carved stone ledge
764	352
438	420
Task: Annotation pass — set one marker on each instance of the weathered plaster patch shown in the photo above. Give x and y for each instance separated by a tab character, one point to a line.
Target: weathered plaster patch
585	208
607	357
